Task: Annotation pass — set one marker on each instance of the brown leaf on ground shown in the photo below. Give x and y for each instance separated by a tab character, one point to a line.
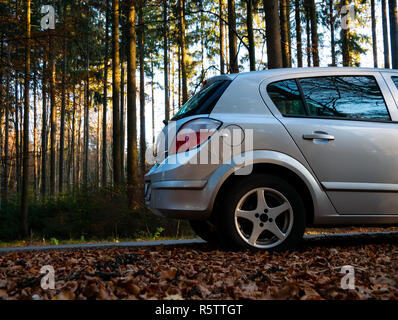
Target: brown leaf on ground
312	272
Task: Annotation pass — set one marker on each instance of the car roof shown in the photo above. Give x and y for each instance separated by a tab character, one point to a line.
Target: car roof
287	71
263	74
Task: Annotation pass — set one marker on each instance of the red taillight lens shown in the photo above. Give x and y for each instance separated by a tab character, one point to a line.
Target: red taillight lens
192	134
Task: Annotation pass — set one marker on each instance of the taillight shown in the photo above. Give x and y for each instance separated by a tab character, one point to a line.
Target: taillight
194	133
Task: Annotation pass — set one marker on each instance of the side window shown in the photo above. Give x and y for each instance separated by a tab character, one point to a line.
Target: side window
395	80
350	97
287	98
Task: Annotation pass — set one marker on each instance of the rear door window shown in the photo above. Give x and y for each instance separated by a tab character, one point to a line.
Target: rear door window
286	96
348	97
339	97
395	80
204	101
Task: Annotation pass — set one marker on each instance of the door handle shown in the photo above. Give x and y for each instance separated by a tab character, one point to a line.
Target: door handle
318	136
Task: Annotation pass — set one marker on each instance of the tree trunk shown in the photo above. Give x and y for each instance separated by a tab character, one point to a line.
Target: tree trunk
43	185
53	115
116	94
141	23
314	32
25	165
394	32
153	103
62	123
35	133
72	143
86	121
166	62
132	157
285	33
17	136
181	12
298	34
250	34
79	143
222	36
386	41
308	35
374	37
233	50
273	32
345	40
6	140
122	95
105	101
332	31
122	117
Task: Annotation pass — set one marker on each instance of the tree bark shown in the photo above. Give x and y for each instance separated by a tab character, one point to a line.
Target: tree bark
273	32
86	120
62	122
285	34
6	141
17	136
308	35
345	41
25	164
314	32
233	50
34	153
166	62
43	185
53	115
132	157
105	101
386	42
250	34
116	94
141	23
222	37
298	34
181	10
394	32
332	31
374	36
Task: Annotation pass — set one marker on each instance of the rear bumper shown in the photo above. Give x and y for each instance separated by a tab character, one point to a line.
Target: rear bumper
179	199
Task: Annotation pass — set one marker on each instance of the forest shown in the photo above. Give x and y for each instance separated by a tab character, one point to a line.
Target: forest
86	84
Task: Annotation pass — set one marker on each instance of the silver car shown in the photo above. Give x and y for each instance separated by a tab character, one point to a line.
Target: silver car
255	158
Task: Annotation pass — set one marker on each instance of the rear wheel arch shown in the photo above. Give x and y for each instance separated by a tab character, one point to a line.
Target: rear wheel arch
279	171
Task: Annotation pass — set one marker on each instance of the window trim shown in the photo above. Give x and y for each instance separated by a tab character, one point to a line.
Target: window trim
308	116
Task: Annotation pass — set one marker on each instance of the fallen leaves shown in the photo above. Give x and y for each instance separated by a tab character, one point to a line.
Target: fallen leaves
202	272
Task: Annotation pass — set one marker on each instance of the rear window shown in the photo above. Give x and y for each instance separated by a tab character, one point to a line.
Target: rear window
204	101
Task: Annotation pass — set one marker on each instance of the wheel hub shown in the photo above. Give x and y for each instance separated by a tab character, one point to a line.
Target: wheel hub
262	224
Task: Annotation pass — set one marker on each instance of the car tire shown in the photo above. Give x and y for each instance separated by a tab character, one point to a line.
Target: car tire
205	230
261	212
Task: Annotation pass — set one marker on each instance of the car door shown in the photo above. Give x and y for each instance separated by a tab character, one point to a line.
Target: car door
345	126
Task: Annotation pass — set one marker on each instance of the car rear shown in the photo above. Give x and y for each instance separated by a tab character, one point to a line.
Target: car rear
176	185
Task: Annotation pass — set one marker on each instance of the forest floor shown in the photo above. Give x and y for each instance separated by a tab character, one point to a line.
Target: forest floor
201	271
